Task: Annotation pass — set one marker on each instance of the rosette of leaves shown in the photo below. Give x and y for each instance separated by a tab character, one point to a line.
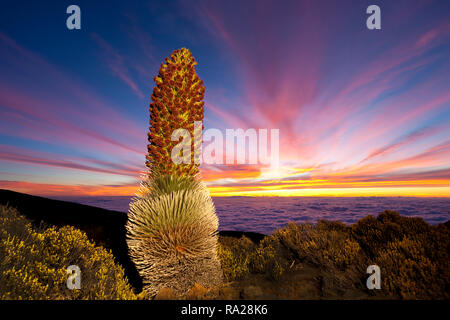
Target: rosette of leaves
172	235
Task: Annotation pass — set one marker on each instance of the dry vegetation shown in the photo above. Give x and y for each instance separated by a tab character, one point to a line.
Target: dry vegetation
326	260
33	263
331	259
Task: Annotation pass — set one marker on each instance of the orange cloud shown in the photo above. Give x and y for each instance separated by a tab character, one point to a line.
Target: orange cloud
44	189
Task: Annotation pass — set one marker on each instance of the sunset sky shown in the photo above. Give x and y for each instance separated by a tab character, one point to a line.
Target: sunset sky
360	112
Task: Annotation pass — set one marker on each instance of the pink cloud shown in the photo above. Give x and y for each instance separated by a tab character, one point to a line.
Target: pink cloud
14	154
48	119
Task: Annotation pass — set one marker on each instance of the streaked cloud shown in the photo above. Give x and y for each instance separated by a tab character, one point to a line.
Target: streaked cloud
360	112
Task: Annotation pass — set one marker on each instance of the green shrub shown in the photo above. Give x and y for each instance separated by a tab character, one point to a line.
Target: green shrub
373	234
234	266
413	256
327	246
240	257
323	244
33	263
265	259
407	272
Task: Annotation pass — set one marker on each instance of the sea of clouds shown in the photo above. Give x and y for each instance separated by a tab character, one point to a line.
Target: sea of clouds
266	214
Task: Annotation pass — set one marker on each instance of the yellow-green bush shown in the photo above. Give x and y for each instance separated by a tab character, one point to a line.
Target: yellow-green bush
408	272
234	255
373	234
328	246
240	257
234	266
323	244
267	259
33	263
413	256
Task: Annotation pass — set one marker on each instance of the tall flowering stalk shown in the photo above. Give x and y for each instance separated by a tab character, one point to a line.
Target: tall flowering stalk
172	224
177	101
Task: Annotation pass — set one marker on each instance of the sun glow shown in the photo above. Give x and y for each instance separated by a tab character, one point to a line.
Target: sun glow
335	192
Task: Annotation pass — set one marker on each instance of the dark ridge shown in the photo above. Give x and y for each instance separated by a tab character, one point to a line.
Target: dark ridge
104	227
254	236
